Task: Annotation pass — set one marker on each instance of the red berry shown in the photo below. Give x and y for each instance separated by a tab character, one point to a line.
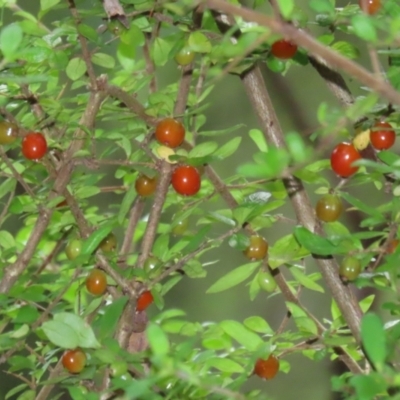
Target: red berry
342	158
8	132
382	135
257	249
96	282
267	369
186	180
283	49
34	146
329	208
145	186
170	132
370	6
144	300
74	360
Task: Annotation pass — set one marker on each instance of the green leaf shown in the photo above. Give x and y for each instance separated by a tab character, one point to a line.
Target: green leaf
303	322
314	243
127	201
285	250
194	269
104	60
203	149
368	386
346	49
305	281
358	204
296	147
93	241
199	43
160	51
61	334
241	334
85	192
158	340
258	324
233	277
228	148
286	7
6	240
133	37
46	4
126	56
374	339
322	6
84	332
7	186
106	325
10	40
364	28
75	68
225	365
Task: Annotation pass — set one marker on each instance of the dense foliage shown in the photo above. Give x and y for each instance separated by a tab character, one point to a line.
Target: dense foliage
81	105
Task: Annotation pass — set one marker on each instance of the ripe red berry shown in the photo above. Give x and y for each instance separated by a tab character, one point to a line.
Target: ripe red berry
370	6
283	49
170	132
96	282
34	146
144	300
382	135
329	208
267	369
8	132
350	268
186	180
342	158
74	360
145	186
257	249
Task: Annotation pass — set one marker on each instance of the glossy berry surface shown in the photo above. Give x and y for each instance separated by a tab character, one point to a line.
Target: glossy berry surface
283	49
109	243
73	249
370	6
74	360
170	132
145	186
8	132
267	369
186	180
266	281
34	146
382	136
180	226
257	249
184	57
342	158
350	268
329	208
151	266
144	300
96	282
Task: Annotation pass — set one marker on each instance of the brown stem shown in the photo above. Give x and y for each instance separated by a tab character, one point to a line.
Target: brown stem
261	102
315	48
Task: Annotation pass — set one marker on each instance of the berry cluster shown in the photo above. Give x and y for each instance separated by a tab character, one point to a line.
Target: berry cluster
34	144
